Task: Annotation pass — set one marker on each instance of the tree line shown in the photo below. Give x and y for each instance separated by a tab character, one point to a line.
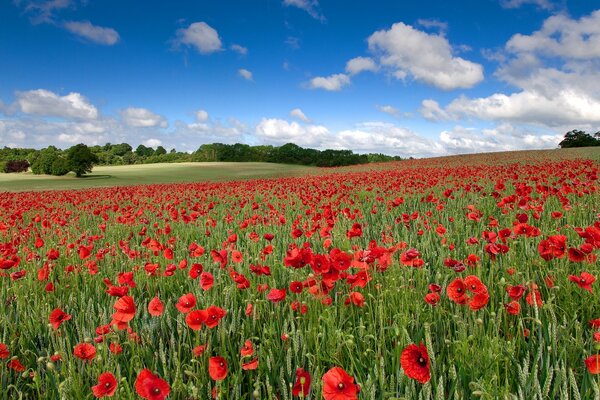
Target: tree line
577	138
80	158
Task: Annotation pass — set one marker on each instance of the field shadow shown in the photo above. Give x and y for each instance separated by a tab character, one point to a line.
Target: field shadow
93	177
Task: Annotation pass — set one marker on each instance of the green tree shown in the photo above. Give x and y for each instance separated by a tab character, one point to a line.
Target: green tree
60	166
42	164
81	159
143	151
577	138
160	151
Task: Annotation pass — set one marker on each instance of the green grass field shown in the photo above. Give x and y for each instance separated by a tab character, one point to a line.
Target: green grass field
124	175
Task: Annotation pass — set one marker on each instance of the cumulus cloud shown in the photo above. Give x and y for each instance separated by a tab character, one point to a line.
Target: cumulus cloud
425	57
433	24
241	50
201	36
152	142
387	138
504	137
298	113
310	6
333	82
46	103
556	73
391	110
93	33
201	115
279	131
142	118
360	64
244	73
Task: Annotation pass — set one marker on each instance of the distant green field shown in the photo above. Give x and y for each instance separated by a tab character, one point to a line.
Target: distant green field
150	173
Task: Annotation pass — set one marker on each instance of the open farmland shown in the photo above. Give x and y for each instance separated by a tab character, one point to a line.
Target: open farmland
124	175
450	278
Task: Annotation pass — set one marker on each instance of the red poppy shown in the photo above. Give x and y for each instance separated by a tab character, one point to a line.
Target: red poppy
125	309
217	368
432	298
84	351
584	281
186	303
415	362
206	280
296	287
107	385
553	247
247	350
57	317
338	385
356	298
593	364
302	385
457	291
515	292
115	348
576	255
479	301
276	295
16	365
250	365
198	350
155	307
4	353
195	319
151	387
214	315
513	308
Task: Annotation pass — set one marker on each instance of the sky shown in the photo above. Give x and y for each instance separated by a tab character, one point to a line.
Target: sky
409	78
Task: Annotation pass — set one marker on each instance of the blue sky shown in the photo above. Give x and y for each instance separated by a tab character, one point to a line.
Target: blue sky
409	78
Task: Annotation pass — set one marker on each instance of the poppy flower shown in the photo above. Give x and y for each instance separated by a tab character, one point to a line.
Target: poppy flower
276	295
553	247
302	385
206	280
107	385
457	291
515	292
195	319
432	298
151	387
479	301
247	350
4	353
155	307
198	350
296	287
125	309
115	348
214	315
57	317
576	255
593	364
513	308
16	365
356	298
338	385
84	351
415	362
584	281
186	303
217	368
250	365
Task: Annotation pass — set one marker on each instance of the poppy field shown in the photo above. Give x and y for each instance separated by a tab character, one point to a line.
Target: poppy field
450	278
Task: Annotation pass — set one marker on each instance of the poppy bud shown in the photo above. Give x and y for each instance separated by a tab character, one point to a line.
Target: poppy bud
50	366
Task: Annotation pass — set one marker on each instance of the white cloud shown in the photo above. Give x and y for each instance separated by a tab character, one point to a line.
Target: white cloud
332	82
241	50
544	4
360	64
279	131
386	138
310	6
433	24
391	110
425	57
244	73
431	110
298	113
556	73
201	115
46	103
201	36
142	118
42	11
152	142
504	137
563	37
96	34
